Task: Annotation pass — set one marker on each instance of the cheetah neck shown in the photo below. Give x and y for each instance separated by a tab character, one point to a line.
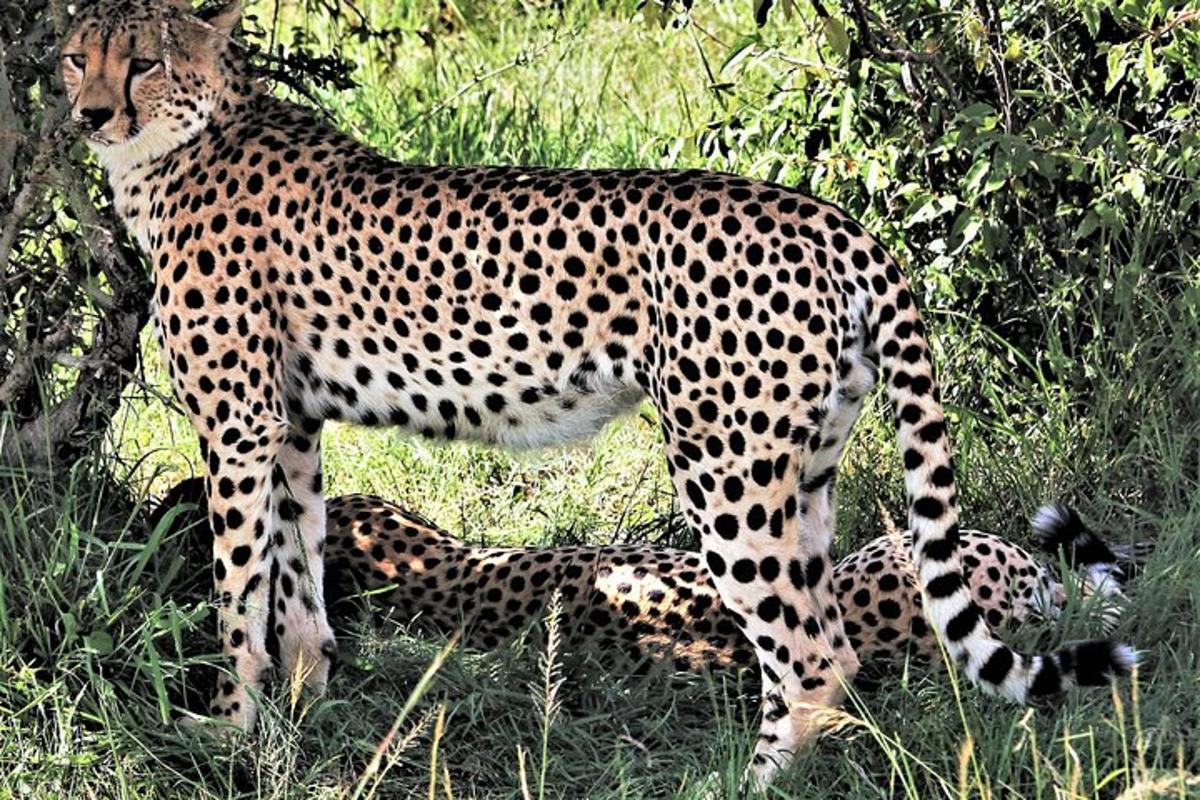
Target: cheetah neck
140	183
134	193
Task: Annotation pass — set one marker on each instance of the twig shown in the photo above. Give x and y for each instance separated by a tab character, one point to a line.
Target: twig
1183	18
26	201
10	129
989	17
896	54
24	367
104	370
119	262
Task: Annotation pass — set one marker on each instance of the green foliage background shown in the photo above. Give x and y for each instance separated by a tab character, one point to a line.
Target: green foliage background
1035	166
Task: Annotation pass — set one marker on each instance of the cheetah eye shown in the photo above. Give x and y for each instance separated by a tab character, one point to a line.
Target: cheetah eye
140	66
77	60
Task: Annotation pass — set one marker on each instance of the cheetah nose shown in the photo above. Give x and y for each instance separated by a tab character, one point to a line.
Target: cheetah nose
96	117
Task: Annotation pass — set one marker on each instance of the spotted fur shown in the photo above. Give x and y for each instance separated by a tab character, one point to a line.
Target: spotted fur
300	277
638	604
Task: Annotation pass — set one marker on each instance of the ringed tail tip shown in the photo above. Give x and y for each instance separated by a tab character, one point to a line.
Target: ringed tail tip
1062	532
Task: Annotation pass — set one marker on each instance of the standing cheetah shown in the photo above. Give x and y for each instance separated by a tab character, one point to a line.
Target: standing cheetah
301	277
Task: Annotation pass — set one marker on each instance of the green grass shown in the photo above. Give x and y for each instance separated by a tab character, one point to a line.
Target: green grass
102	631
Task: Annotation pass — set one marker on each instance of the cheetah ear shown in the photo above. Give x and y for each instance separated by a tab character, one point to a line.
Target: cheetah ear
223	18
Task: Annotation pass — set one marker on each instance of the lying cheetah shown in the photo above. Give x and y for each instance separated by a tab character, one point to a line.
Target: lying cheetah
637	604
300	277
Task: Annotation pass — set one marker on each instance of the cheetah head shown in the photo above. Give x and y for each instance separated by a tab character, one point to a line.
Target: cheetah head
144	76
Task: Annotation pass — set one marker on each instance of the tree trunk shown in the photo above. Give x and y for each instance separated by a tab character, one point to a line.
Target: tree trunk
74	293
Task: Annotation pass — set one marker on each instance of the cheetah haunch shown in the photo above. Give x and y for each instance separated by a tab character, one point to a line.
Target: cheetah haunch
301	277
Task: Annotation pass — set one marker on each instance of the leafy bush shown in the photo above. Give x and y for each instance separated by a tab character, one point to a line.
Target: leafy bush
1035	163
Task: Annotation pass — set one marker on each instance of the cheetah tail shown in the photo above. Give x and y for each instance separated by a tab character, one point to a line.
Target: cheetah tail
1063	533
1100	568
907	372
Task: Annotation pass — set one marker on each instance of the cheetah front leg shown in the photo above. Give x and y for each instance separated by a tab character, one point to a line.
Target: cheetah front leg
241	455
305	639
226	377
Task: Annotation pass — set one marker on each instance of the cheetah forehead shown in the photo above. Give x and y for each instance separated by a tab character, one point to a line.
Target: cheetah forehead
117	20
135	27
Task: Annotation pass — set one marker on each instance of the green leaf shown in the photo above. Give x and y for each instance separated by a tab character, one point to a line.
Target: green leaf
1087	226
1014	50
979	113
154	668
876	178
927	208
835	35
966	227
846	118
98	642
1116	65
975	176
1156	76
1134	184
70	626
742	48
1098	136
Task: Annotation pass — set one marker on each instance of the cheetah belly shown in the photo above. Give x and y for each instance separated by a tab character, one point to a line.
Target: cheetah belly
556	409
578	416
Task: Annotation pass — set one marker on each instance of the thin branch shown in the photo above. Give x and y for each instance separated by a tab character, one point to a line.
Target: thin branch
64	430
10	127
989	17
50	151
24	369
892	52
119	262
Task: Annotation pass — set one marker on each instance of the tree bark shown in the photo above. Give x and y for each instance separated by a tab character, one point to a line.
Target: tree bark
74	293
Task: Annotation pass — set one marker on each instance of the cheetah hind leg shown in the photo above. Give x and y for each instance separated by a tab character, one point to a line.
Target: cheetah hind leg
762	552
830	663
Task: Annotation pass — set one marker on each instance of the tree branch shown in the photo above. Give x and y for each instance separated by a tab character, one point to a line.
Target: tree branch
10	128
892	52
